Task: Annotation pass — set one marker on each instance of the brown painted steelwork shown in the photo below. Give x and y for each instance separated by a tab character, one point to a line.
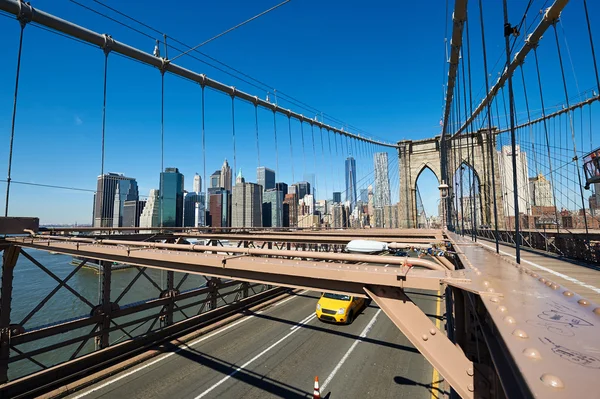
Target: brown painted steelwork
399	261
502	349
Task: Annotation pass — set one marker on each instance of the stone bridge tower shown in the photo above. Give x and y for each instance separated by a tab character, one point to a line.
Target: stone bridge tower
416	156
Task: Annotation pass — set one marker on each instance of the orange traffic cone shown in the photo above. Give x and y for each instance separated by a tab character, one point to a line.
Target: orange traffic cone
316	393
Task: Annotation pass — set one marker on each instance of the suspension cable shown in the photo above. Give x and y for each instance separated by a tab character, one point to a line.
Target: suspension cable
490	136
291	148
233	131
587	19
14	115
204	150
256	127
303	151
276	150
512	138
576	158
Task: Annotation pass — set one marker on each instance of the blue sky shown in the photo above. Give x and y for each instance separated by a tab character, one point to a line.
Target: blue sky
379	67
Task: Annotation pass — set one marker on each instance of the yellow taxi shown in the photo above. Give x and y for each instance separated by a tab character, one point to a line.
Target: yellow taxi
339	308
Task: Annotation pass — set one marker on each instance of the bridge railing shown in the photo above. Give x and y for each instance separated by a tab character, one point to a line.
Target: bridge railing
568	244
85	311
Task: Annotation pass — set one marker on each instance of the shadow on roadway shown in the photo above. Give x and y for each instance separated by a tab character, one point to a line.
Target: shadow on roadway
435	391
249	377
339	333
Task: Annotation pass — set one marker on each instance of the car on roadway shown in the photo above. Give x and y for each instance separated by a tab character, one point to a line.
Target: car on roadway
338	308
402	253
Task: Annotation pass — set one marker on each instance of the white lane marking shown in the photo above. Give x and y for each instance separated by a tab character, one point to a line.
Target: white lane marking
363	334
305	320
203	394
302	322
290	298
218	331
563	276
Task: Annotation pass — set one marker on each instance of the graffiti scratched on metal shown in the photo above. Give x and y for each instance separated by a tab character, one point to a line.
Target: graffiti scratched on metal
549	333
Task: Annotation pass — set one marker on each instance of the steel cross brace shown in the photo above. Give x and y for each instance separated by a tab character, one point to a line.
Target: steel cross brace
443	355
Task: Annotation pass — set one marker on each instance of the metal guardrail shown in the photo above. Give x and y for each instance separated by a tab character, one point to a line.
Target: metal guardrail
78	342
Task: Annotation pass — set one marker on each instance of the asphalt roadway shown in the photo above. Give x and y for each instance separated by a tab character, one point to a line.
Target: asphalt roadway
278	351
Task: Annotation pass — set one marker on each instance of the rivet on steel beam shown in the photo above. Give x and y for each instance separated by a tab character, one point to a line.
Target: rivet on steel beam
432	331
470	387
491	290
425	337
583	302
510	320
555	286
486	283
478	273
470	371
597	311
532	353
543	280
501	309
552	381
520	333
548	283
534	275
567	293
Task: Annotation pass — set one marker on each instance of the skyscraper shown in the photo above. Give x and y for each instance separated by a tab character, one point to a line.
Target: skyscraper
265	177
240	178
226	176
171	198
310	178
364	195
541	191
132	210
382	180
215	179
197	183
351	181
113	189
272	208
290	205
283	187
150	213
300	189
506	175
246	204
220	208
193	209
337	197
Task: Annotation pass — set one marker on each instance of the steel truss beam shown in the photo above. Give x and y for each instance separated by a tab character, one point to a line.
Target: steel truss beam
324	276
448	359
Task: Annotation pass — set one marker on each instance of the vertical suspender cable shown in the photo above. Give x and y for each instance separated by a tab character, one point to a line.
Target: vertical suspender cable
106	51
512	136
303	151
162	142
312	132
14	115
291	147
276	150
323	160
468	133
473	195
233	131
491	137
256	127
587	19
204	151
575	158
